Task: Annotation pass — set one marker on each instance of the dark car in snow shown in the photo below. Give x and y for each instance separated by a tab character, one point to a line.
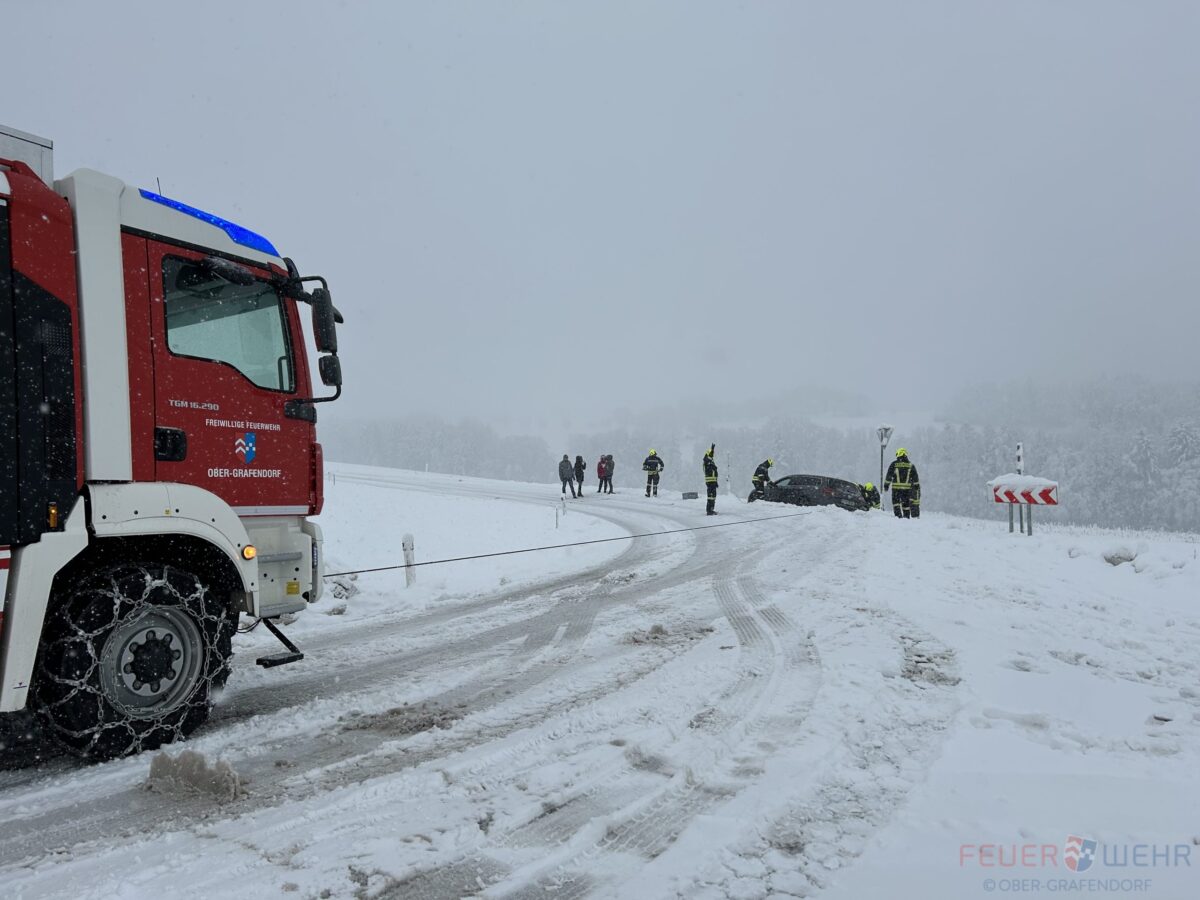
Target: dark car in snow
815	490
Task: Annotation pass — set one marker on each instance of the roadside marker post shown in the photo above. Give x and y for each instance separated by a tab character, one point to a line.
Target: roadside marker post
410	574
1024	492
1021	471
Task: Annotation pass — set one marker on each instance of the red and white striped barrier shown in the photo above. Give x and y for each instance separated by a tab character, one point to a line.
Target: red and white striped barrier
1044	497
1024	489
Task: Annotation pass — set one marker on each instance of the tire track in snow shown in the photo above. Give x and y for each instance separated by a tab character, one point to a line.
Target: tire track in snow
887	739
449	880
488	691
772	653
644	828
473	871
826	829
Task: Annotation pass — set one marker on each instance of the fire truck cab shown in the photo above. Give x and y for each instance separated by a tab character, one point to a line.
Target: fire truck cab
158	451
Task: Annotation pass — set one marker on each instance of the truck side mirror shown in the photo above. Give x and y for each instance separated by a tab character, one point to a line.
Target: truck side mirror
331	371
324	322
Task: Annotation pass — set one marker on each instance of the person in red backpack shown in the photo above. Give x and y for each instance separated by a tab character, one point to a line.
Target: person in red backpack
602	473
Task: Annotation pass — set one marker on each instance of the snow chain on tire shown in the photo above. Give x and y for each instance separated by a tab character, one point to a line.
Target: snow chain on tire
130	659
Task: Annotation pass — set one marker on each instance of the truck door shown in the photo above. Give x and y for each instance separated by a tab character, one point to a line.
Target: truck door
228	356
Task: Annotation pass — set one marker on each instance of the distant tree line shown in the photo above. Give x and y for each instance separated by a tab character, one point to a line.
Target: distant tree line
427	443
1127	454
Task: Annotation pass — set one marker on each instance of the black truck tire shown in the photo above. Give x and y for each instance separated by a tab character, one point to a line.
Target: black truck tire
131	656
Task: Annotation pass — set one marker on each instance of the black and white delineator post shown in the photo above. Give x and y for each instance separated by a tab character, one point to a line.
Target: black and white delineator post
885	435
1020	509
409	546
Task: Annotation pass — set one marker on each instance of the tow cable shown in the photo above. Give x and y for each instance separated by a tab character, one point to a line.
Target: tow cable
624	537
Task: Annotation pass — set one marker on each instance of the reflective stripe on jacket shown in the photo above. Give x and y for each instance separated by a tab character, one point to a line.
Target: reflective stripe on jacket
901	476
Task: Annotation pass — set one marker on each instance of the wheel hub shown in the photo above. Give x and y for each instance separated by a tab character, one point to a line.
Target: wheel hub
151	661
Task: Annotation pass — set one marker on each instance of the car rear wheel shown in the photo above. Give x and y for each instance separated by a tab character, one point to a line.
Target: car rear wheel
130	659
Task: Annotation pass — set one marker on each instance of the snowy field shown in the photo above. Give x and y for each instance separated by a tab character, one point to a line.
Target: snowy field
836	705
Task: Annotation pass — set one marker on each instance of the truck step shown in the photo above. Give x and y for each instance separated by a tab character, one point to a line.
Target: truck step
272	660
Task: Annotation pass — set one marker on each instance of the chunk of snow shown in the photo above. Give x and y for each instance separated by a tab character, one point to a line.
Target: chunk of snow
1114	556
190	773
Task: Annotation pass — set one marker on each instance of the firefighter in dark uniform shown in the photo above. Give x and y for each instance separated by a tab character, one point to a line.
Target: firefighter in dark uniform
871	495
652	466
710	478
760	478
905	485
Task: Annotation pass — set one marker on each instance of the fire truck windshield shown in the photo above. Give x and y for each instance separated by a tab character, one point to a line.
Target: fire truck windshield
210	317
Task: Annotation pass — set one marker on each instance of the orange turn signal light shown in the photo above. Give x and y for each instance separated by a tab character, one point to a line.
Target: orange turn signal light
52	515
249	552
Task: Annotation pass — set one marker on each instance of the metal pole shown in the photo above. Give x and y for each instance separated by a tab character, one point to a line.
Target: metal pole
1010	518
1030	514
1021	513
884	433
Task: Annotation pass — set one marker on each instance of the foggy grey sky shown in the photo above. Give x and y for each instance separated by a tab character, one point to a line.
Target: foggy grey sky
543	212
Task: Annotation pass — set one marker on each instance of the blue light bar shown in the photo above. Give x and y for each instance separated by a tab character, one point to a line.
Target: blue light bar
237	233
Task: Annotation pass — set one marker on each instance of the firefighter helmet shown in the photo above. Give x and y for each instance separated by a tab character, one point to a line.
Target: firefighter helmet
869	486
770	462
901	452
654	453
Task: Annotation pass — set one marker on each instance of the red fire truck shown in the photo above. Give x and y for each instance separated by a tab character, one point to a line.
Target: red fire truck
158	452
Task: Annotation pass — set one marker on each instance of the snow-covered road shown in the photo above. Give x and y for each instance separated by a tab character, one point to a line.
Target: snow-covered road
832	704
